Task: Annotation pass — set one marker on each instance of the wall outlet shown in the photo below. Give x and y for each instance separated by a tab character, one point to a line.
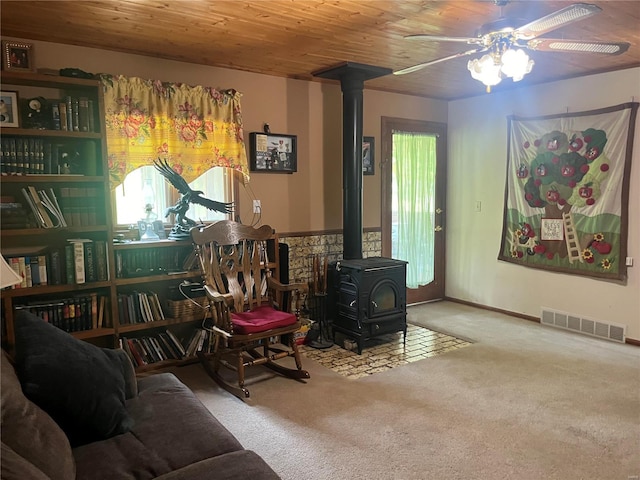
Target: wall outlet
257	206
629	262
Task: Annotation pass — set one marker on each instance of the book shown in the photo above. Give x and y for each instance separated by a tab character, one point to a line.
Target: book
44	214
89	262
101	311
34	269
14	262
176	343
94	309
69	107
64	120
102	271
75	110
79	258
56	266
83	114
50	202
55	114
69	265
34	210
42	270
22	271
135	351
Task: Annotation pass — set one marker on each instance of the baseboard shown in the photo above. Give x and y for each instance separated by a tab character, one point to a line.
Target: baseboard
630	341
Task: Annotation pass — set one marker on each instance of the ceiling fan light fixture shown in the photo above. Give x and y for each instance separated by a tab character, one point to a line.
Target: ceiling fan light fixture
516	64
486	70
491	68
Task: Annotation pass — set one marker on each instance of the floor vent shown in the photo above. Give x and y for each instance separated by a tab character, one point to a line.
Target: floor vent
595	328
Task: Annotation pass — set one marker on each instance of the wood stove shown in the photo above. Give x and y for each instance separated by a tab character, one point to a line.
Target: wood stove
368	298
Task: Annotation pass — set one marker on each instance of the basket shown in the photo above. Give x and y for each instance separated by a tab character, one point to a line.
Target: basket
186	309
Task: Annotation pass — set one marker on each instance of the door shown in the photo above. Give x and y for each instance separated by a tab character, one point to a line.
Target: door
413	202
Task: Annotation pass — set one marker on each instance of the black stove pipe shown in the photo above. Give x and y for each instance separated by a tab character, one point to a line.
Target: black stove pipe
352	77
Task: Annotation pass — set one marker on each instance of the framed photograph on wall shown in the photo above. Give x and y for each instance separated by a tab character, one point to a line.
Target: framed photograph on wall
9	109
273	152
17	56
368	155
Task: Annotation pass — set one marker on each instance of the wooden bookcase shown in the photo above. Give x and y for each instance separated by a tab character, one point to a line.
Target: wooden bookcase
165	270
131	270
70	165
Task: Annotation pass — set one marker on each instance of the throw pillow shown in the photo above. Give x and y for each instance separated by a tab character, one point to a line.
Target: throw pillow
79	384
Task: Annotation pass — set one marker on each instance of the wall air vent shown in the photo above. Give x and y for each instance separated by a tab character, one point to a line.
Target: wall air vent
595	328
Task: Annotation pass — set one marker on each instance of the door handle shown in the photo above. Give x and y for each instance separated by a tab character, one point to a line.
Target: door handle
438	228
439	211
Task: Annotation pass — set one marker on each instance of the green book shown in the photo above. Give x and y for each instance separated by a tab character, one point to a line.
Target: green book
69	264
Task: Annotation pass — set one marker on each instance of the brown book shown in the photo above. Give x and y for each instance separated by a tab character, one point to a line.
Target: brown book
62	107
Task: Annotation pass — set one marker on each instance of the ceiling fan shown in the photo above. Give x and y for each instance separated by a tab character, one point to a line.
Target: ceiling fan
504	44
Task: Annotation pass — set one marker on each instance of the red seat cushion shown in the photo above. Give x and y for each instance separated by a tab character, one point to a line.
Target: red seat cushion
261	319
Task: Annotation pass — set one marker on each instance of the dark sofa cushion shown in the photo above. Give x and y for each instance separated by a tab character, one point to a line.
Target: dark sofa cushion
238	465
29	434
172	429
15	467
80	385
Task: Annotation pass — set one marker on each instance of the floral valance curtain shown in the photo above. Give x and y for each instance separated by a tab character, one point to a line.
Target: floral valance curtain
193	128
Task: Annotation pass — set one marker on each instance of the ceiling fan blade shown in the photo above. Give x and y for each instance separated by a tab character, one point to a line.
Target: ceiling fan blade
565	16
441	38
438	60
559	45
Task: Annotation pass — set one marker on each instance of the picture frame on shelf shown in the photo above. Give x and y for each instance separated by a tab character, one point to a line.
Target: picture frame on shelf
273	152
368	155
9	109
17	56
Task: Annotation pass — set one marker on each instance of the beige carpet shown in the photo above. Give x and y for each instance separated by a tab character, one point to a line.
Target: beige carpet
524	401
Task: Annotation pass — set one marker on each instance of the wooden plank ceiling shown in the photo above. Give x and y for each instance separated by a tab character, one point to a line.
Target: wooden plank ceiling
292	38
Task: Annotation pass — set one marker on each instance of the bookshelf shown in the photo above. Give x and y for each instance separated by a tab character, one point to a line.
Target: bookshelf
130	294
55	189
168	271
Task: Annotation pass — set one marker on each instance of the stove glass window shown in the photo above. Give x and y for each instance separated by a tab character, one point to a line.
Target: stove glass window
383	299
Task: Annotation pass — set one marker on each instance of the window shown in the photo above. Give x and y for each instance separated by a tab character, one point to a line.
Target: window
146	186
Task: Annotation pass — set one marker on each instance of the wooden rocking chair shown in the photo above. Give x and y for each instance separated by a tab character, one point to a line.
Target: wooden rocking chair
250	322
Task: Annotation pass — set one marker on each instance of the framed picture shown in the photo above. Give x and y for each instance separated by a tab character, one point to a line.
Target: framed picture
368	155
273	152
17	56
9	109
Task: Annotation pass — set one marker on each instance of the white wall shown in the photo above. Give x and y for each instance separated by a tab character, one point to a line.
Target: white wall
477	166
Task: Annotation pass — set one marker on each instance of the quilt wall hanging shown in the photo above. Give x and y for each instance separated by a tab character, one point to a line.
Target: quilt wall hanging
567	191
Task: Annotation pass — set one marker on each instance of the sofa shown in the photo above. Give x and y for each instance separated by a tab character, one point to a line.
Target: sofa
72	410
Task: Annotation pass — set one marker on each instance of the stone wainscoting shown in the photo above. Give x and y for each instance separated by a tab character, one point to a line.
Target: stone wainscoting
304	247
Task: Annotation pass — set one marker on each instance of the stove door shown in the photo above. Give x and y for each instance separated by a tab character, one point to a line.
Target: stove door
385	299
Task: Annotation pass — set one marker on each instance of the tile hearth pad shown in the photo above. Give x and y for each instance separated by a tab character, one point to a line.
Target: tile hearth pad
385	352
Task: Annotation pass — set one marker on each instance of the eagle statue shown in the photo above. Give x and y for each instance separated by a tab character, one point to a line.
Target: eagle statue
180	230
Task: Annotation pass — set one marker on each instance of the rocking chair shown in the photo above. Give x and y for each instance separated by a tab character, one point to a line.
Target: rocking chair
253	316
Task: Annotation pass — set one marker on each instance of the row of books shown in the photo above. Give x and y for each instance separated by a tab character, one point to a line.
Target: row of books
139	307
38	155
13	215
45	207
165	346
80	261
153	261
69	207
72	314
73	114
